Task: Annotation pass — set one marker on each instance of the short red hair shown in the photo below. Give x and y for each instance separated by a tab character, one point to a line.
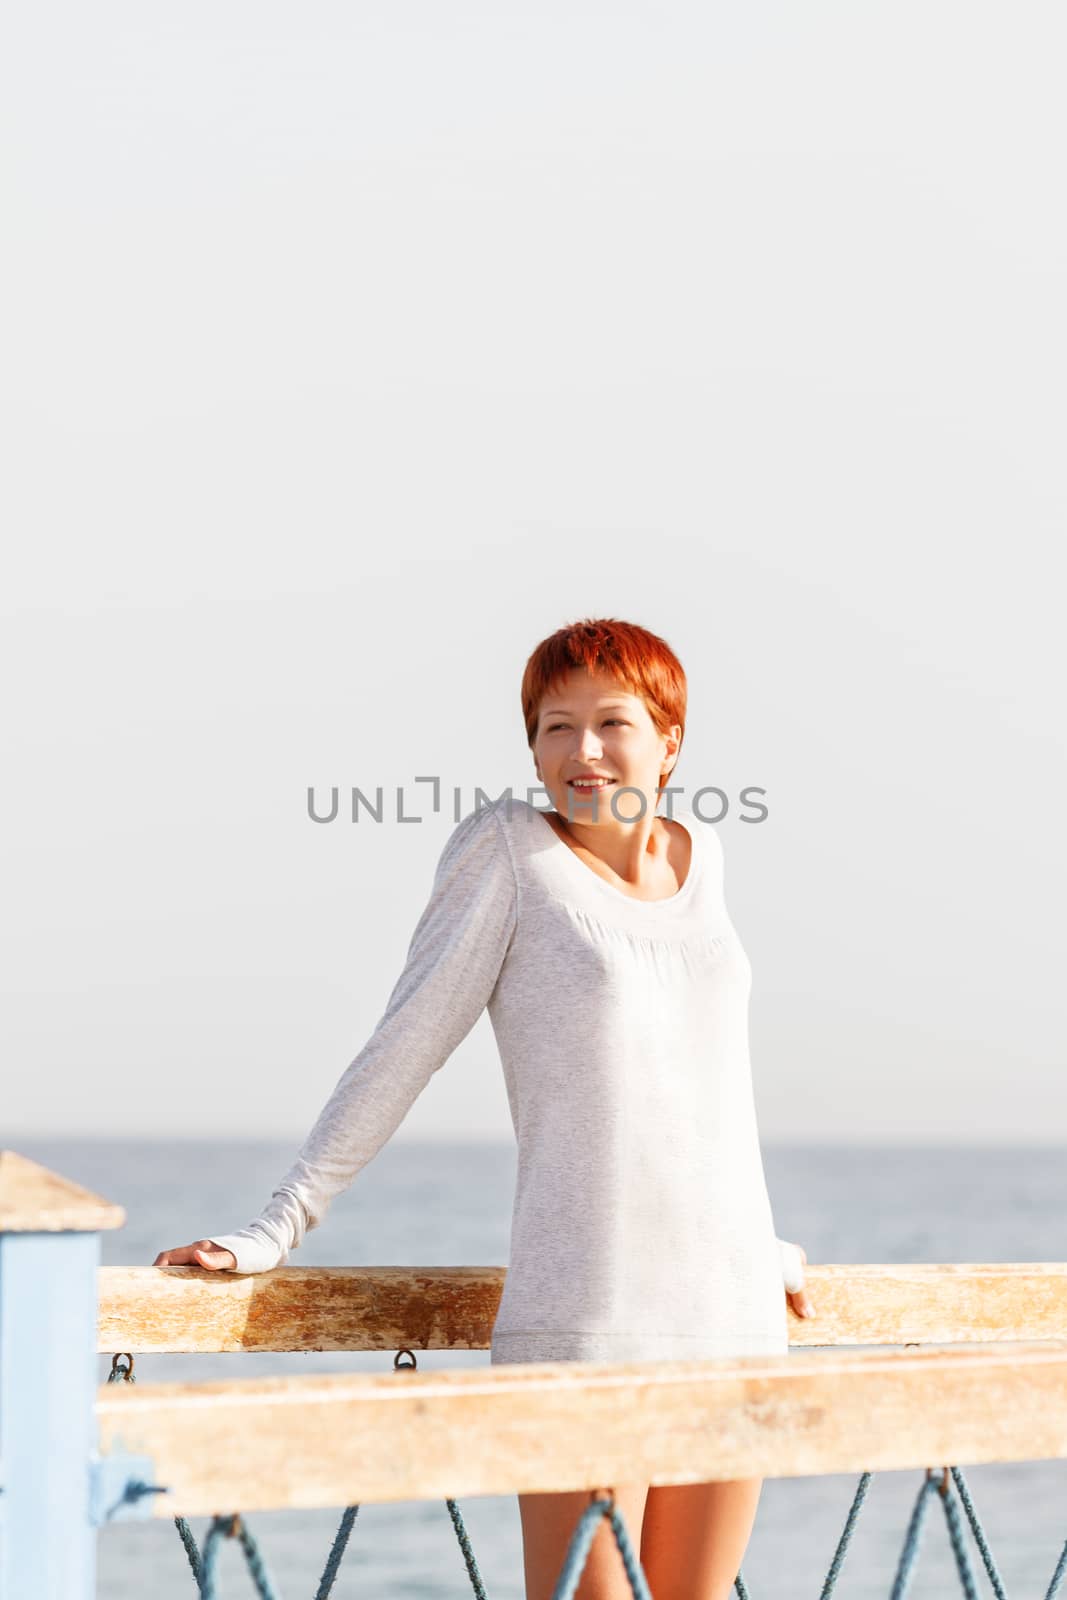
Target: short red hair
642	662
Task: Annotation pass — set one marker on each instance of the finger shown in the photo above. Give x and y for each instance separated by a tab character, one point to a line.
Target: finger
178	1257
215	1260
182	1255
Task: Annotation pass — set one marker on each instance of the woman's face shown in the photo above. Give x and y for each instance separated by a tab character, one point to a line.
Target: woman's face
591	724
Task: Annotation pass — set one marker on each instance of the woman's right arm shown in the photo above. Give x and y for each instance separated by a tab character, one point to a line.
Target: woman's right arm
451	969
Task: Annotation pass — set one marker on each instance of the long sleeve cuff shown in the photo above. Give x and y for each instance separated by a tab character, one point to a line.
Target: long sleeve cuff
792	1266
253	1250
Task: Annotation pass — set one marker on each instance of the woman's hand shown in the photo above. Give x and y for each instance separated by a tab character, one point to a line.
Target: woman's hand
204	1253
798	1298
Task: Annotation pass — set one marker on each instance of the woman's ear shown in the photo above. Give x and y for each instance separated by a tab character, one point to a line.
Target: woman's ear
674	748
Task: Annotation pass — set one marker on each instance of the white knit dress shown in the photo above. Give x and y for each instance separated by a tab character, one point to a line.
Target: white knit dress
641	1226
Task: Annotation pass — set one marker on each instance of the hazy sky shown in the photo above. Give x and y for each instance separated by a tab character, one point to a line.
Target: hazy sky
349	350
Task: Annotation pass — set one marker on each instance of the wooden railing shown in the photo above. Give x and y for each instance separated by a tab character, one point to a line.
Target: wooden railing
339	1439
187	1309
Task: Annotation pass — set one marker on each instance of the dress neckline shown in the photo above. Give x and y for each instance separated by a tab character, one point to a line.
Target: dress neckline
695	860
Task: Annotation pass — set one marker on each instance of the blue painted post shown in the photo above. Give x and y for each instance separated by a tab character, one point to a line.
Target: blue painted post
49	1258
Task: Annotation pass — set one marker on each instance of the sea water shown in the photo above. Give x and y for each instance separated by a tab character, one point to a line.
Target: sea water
449	1205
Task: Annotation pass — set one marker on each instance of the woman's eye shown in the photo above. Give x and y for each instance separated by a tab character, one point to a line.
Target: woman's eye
555	725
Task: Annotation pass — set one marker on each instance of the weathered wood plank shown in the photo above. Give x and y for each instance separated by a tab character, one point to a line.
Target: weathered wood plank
340	1439
184	1309
187	1309
35	1200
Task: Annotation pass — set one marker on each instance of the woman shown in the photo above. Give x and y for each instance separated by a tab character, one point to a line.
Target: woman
598	938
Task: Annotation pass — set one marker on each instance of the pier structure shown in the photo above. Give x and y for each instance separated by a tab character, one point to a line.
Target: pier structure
920	1365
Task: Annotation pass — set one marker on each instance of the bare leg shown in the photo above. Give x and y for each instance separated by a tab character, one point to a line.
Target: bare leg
695	1536
548	1525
